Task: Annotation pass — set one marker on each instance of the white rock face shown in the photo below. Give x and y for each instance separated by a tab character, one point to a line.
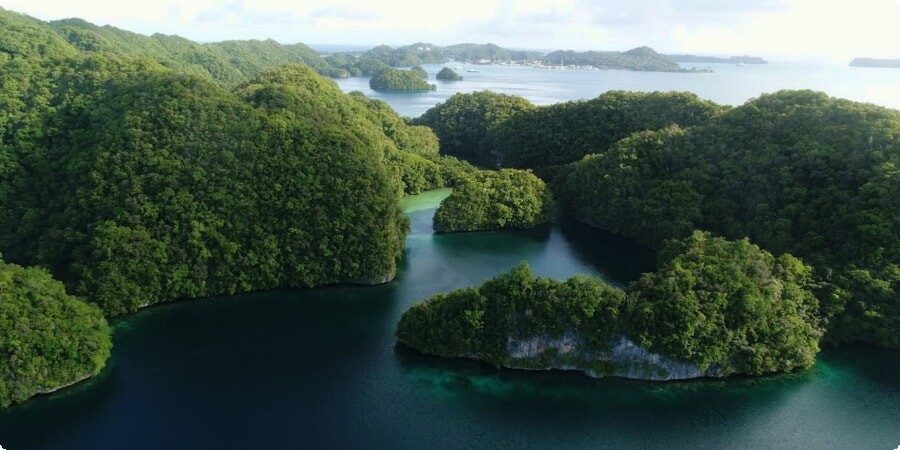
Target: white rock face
628	360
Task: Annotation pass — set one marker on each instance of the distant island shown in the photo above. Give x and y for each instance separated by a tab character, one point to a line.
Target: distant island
643	59
400	80
448	74
876	62
716	59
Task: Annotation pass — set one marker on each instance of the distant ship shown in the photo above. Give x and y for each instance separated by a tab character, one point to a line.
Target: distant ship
472	70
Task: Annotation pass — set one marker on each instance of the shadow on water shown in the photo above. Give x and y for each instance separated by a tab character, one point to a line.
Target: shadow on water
621	259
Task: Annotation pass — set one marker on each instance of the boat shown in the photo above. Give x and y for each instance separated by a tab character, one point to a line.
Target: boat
472	70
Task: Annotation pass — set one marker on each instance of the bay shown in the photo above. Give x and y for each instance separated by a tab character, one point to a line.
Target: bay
729	84
320	369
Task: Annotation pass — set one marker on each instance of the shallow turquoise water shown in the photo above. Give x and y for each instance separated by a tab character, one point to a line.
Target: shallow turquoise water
320	369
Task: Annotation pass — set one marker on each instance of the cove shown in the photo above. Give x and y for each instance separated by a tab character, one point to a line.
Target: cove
320	368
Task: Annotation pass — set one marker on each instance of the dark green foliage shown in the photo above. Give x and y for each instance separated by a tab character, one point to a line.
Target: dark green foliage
641	203
47	338
566	132
641	58
448	74
796	171
728	304
506	199
465	122
477	322
714	303
140	185
399	80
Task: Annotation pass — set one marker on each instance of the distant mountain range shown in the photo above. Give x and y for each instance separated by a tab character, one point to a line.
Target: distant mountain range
234	62
716	59
875	62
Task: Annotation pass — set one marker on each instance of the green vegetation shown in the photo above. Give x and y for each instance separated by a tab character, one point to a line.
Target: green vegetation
728	304
488	52
477	322
796	171
140	185
506	199
641	58
448	74
420	71
566	132
400	57
465	122
48	339
721	305
399	80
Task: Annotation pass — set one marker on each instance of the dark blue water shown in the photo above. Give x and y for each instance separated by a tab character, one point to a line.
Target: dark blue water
319	369
728	84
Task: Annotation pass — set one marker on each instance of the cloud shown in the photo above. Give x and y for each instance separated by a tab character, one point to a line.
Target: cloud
766	27
345	14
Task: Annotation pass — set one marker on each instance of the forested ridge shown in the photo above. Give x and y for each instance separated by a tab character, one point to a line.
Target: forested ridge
134	183
795	171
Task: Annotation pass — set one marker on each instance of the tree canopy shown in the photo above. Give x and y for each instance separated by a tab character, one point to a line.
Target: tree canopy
465	122
506	199
448	74
796	171
48	339
400	80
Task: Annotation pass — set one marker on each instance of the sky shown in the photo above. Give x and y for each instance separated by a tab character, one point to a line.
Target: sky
832	29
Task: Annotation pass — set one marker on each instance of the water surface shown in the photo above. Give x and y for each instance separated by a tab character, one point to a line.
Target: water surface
728	84
320	369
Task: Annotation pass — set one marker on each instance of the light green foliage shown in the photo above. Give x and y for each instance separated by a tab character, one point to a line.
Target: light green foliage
796	171
728	304
448	74
399	80
48	339
566	132
506	199
420	71
465	122
713	302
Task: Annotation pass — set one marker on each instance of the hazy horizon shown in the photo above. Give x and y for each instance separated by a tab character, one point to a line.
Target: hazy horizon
808	29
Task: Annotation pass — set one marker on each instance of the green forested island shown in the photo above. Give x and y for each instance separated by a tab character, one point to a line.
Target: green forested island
875	62
137	170
641	59
713	308
448	74
401	80
505	199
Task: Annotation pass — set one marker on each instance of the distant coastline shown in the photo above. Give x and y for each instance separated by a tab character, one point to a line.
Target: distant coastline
876	62
686	58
